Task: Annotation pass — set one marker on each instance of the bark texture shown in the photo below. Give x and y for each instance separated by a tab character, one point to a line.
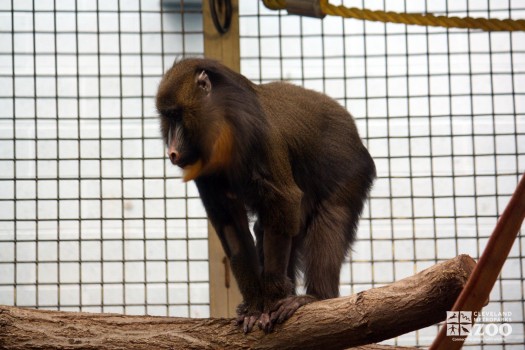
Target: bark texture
364	318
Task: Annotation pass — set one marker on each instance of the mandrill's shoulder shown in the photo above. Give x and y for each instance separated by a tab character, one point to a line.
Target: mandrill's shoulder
284	97
280	87
290	93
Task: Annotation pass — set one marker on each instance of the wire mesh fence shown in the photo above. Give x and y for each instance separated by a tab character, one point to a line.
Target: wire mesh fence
442	114
93	218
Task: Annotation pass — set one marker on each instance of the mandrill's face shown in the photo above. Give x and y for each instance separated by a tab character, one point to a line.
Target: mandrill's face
196	136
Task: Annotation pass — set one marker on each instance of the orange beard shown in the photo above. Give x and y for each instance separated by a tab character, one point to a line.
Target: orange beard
190	172
220	156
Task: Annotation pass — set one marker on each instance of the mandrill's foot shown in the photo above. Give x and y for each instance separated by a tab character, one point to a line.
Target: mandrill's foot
246	317
283	310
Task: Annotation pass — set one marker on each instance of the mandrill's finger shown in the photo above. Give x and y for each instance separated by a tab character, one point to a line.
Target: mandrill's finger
286	315
277	314
249	322
264	322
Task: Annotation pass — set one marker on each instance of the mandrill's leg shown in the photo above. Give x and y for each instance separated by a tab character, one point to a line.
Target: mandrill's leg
229	218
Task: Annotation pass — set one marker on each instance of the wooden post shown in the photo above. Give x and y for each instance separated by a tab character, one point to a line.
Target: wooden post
224	293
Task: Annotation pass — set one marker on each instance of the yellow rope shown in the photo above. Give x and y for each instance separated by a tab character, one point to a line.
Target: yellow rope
411	18
275	4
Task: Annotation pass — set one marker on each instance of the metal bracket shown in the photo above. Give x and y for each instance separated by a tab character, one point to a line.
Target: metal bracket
218	9
309	8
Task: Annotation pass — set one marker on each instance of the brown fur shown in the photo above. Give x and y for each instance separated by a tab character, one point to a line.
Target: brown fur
291	156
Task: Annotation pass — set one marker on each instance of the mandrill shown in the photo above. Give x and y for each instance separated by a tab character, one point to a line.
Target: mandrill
290	156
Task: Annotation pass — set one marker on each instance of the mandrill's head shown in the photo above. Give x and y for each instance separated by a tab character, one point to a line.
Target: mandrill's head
193	116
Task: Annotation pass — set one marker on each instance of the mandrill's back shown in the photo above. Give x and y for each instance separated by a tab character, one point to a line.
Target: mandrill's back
321	138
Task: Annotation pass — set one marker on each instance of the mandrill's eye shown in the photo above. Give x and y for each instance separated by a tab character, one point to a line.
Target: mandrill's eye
173	114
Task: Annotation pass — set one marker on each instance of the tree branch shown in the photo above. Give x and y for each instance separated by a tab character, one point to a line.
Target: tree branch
367	317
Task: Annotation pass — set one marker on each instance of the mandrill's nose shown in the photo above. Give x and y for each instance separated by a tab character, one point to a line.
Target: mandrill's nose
174	156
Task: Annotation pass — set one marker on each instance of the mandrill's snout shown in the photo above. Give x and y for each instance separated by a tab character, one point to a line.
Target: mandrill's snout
190	170
174	156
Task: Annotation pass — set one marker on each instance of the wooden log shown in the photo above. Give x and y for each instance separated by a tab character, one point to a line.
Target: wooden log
364	318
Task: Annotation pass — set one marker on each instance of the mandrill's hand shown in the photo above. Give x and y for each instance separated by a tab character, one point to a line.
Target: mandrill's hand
247	317
282	310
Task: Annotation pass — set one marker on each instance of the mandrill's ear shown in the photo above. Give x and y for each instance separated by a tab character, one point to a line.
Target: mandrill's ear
203	81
